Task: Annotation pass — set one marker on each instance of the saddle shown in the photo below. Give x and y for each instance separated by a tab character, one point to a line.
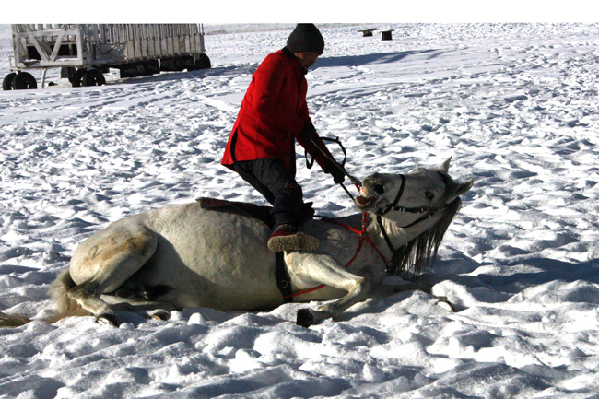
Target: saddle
260	212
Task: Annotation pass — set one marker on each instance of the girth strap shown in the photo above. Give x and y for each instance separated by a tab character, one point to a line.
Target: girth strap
282	277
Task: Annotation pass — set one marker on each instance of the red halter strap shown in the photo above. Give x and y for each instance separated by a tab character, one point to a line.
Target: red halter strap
363	237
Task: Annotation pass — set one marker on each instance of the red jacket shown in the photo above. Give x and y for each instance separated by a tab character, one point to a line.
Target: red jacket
272	115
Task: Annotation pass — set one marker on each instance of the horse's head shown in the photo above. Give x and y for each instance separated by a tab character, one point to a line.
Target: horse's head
419	191
419	206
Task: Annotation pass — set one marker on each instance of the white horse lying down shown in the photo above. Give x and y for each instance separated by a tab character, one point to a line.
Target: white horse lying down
183	256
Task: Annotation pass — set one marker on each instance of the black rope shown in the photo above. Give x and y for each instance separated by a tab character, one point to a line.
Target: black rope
341	165
335	140
392	206
347	191
379	219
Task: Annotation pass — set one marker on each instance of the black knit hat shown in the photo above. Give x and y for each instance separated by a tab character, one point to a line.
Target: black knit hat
305	38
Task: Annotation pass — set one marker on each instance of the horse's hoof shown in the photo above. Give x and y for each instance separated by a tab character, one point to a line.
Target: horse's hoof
108	318
161	315
444	303
305	318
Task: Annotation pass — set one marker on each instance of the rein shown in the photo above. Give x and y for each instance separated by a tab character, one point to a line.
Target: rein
340	166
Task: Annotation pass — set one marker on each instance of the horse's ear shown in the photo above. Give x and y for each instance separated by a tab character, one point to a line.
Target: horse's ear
445	165
464	187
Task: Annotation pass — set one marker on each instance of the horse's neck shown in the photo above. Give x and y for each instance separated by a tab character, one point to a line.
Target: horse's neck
397	236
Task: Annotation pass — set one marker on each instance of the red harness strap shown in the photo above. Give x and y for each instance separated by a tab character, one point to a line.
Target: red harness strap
363	237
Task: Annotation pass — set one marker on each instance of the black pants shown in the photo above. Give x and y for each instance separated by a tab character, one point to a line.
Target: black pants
278	185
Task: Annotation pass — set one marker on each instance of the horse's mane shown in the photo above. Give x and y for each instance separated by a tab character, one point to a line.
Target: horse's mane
417	256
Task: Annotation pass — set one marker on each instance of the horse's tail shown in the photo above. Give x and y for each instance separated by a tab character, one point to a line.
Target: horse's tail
12	320
58	291
65	306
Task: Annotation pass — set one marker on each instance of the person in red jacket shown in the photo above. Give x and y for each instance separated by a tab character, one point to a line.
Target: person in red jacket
261	148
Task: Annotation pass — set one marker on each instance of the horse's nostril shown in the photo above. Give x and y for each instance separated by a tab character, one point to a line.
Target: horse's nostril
378	188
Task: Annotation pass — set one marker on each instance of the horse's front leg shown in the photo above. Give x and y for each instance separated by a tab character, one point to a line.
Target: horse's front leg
323	269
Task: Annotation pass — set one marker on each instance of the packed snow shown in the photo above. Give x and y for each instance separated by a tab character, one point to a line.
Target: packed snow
514	105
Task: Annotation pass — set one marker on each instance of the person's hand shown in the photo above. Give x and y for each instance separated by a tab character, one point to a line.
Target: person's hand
308	132
338	174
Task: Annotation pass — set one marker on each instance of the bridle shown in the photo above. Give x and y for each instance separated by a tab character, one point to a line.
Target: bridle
429	211
363	235
390	207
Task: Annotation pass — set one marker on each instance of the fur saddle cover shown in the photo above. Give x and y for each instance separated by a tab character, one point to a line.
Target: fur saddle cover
260	212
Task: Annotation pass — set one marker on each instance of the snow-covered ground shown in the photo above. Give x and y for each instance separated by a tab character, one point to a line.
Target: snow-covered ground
515	105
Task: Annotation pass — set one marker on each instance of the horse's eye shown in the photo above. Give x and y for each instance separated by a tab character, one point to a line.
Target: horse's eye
430	196
379	189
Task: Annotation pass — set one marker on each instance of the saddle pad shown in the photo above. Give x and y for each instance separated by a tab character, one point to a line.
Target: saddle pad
260	212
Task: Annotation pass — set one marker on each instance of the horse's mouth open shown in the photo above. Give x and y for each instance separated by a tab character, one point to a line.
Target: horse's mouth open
364	199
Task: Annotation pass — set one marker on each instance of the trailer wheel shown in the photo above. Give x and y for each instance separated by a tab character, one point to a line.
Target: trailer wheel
203	62
77	76
7	82
93	77
24	80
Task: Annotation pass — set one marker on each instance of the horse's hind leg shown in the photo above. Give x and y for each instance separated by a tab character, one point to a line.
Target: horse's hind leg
106	308
106	260
149	309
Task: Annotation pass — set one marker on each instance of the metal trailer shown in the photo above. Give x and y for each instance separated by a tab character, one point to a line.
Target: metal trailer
86	51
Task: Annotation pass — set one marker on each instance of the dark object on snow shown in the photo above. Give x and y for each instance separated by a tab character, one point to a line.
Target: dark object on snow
18	81
387	34
366	32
